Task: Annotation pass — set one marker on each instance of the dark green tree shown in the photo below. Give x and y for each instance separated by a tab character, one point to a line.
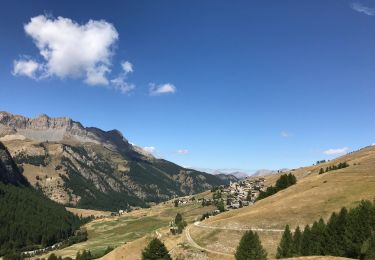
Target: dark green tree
220	206
178	218
85	255
368	248
285	248
317	237
155	250
297	241
54	257
306	241
250	248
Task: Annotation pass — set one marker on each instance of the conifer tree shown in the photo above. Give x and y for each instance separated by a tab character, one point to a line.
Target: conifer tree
250	247
317	237
285	248
306	240
297	241
155	250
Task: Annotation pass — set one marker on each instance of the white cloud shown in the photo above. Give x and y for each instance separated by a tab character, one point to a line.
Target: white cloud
161	89
70	50
183	151
25	67
285	134
362	9
120	82
336	151
150	149
373	144
127	67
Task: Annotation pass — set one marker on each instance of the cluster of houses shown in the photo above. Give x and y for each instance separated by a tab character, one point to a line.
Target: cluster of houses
236	194
242	193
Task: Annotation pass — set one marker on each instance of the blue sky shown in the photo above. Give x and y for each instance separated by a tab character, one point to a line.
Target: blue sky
211	84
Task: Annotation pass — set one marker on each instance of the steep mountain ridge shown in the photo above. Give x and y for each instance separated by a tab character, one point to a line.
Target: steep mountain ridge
91	168
9	173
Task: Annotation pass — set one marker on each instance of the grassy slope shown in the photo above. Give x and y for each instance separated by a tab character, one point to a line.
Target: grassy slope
314	196
130	231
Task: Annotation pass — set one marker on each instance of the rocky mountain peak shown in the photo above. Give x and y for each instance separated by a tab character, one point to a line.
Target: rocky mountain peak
44	128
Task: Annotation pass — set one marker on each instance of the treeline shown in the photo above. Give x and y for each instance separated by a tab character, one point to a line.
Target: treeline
285	181
333	167
347	234
31	221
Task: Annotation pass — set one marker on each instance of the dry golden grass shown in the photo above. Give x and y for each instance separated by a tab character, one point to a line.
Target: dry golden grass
313	197
89	212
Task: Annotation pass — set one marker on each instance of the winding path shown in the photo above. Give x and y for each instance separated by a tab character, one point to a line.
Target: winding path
194	244
198	224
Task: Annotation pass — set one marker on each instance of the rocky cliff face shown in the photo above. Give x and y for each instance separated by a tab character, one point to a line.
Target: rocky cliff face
44	128
9	172
92	168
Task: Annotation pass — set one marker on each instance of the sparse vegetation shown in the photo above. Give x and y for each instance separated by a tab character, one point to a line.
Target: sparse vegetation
334	167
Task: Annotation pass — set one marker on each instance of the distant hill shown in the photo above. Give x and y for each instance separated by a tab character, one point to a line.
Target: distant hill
265	172
28	219
237	174
91	168
227	177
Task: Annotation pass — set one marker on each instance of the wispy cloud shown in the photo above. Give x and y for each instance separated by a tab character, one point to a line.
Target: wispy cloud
285	134
183	151
336	151
26	67
357	6
161	89
120	82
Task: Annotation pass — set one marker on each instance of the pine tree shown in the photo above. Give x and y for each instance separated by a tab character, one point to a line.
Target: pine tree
306	240
317	237
297	241
178	218
86	255
250	248
155	250
285	248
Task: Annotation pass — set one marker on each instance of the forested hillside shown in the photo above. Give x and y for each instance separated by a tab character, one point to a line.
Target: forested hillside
28	219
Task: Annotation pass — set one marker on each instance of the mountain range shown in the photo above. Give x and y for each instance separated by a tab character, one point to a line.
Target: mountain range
92	168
